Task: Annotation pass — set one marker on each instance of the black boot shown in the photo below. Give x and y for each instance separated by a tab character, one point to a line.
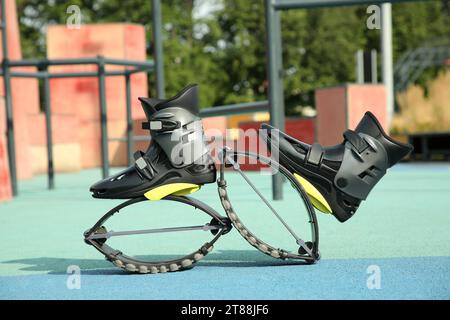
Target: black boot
338	178
177	161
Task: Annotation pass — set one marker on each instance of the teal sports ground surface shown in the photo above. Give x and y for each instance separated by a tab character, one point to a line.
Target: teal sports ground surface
402	232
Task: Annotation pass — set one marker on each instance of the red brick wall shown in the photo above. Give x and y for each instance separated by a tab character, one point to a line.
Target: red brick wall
301	129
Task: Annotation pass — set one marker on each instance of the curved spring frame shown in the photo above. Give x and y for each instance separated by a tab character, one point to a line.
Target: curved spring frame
307	251
98	239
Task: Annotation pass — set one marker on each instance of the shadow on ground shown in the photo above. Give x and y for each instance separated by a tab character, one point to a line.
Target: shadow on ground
225	258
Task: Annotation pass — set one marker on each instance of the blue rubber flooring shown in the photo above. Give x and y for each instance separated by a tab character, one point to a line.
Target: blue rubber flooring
396	247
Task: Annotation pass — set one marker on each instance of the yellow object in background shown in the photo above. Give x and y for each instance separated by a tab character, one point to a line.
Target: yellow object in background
234	121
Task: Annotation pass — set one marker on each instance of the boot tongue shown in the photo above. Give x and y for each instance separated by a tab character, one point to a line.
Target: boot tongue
148	104
369	125
395	150
186	99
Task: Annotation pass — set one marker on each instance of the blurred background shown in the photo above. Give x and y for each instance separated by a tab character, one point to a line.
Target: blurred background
332	71
220	45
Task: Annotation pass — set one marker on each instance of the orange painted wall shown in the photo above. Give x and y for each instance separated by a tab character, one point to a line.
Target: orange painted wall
25	96
5	186
362	98
79	97
75	102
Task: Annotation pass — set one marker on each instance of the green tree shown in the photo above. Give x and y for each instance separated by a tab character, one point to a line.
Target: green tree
226	54
321	50
421	24
186	61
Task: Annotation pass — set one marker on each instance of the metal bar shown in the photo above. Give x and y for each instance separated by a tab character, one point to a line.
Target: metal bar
404	70
238	108
53	62
137	70
424	144
374	65
8	104
129	120
400	62
42	75
29	63
48	124
308	4
226	110
206	227
103	118
425	61
134	138
158	48
276	100
61	62
86	74
360	66
387	65
267	203
131	63
20	74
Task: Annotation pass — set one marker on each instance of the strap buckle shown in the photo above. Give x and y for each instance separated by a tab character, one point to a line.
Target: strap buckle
314	155
358	143
161	125
142	165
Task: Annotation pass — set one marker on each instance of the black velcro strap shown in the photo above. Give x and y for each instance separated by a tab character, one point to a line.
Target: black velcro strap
356	140
315	154
161	125
142	165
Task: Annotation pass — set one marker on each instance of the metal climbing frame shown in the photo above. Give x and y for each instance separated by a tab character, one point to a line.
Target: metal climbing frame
413	62
130	68
275	63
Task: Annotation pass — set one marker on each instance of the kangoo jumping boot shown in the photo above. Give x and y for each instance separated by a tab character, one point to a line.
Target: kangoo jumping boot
177	162
339	177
